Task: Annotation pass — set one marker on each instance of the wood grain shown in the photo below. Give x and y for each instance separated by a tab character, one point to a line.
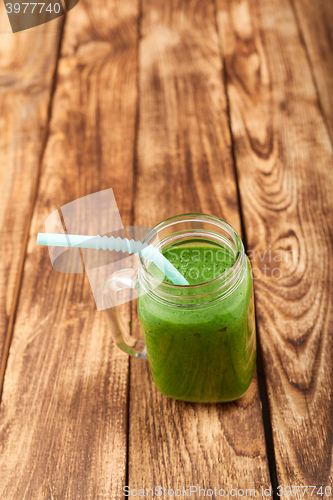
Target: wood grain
27	65
284	163
315	20
185	165
64	408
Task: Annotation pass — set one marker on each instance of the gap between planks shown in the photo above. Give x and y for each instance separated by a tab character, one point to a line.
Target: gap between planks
135	175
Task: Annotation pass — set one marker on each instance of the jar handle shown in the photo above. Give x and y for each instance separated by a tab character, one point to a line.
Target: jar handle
118	281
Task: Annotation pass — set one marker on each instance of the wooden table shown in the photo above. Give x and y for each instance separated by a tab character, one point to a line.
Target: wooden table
180	106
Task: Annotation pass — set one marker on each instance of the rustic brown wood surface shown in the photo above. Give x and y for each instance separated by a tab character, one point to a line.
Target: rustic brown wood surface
316	24
27	64
284	163
139	104
185	165
64	407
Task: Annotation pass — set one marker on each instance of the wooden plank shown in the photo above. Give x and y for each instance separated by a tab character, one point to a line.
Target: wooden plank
27	64
64	408
284	162
185	165
315	20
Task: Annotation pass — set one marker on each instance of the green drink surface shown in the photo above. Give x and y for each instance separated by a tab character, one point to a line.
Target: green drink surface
199	264
202	352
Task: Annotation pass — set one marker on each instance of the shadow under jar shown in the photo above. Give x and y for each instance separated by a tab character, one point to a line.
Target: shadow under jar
199	339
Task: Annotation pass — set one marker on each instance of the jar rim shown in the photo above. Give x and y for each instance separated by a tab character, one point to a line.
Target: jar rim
221	286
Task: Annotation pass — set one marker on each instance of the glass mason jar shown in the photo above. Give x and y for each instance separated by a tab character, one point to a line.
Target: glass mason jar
199	339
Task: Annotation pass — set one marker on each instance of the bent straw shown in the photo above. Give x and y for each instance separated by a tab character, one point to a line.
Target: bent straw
118	244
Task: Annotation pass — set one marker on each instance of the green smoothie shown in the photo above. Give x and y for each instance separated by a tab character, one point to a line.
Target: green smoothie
204	351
